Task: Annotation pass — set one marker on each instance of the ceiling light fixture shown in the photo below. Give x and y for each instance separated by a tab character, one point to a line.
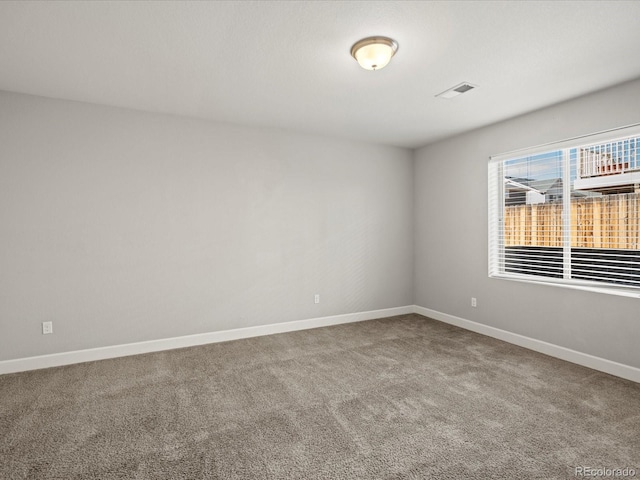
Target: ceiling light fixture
373	53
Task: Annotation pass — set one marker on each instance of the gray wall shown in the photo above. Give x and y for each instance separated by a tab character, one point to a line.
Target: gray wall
123	226
451	246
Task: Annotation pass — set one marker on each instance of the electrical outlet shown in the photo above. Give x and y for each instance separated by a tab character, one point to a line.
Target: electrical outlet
47	328
316	299
474	302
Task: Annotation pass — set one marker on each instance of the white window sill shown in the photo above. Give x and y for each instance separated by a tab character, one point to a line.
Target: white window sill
573	284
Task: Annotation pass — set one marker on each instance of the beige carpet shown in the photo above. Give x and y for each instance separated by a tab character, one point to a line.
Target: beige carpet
403	397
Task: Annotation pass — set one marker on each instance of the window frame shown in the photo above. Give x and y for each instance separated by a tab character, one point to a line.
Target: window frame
496	199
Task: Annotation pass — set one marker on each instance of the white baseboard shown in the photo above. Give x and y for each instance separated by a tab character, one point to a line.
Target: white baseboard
618	369
102	353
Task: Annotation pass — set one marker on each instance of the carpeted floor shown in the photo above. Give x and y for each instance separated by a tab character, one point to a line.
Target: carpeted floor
403	397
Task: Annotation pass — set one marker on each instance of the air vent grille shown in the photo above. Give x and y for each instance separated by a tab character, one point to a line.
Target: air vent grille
465	87
457	90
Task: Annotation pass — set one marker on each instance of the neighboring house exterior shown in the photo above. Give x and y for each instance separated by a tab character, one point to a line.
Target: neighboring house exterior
609	168
524	191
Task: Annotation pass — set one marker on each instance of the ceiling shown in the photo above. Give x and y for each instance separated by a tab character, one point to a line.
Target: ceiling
286	64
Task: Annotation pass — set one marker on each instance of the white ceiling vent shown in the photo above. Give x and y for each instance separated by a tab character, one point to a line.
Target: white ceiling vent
457	90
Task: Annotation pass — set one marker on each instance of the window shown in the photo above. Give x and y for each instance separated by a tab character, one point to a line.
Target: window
569	213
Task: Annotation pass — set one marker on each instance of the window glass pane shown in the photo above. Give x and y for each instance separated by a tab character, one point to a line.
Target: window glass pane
533	225
604	203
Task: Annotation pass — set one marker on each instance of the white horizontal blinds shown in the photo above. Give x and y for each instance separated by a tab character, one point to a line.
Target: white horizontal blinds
605	229
532	231
568	215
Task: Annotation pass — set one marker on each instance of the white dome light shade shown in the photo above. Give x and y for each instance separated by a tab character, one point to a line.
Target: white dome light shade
374	53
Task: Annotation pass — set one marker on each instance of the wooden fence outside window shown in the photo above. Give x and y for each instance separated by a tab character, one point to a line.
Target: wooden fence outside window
607	222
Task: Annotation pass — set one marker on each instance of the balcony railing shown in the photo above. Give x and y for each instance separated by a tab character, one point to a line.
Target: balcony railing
609	158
